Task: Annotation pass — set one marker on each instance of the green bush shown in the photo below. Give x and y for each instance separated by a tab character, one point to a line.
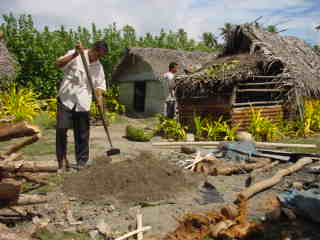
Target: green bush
20	103
138	134
171	128
112	100
211	129
37	51
263	129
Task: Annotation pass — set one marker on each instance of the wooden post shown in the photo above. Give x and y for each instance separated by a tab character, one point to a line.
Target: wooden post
133	233
299	105
139	225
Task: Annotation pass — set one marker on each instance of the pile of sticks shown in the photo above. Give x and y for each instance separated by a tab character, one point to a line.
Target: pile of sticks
14	170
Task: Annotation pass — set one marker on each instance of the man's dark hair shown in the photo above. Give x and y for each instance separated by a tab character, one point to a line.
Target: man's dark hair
100	44
172	65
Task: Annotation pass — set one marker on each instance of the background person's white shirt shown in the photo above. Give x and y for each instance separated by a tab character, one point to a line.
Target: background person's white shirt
75	90
169	84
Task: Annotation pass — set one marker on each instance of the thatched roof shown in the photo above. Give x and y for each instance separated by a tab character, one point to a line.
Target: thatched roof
271	53
7	64
151	63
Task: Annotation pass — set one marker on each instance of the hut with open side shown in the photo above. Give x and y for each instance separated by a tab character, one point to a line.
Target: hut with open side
257	70
8	65
139	75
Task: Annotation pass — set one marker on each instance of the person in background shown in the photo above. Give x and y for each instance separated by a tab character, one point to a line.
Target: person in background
74	100
169	82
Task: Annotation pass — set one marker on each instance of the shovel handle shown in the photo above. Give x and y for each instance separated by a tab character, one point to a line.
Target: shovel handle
95	98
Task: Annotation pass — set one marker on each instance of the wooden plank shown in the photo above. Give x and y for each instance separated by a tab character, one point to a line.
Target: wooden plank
209	106
275	77
285	153
258	102
133	233
248	114
139	226
240	109
248	117
260	90
262	112
233	97
216	143
272	156
257	84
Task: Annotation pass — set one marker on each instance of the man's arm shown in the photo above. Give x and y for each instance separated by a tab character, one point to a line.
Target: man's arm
99	94
172	86
63	61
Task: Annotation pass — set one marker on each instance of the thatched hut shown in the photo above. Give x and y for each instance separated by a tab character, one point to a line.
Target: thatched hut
257	70
140	72
7	64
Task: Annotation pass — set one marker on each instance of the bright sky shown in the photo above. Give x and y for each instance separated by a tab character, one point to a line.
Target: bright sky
194	16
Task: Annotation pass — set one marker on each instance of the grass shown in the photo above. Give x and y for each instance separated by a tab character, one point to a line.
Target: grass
54	180
44	146
44	121
310	140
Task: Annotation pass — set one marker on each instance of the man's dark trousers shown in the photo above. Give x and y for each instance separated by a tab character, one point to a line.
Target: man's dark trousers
80	122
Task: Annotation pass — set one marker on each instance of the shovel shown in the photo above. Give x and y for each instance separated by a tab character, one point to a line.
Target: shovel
112	150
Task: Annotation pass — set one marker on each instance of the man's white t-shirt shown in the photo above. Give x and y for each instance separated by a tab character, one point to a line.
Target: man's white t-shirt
169	84
75	91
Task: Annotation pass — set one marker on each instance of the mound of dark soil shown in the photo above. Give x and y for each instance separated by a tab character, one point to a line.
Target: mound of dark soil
145	178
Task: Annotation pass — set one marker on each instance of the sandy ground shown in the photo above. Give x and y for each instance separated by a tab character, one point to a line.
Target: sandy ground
163	217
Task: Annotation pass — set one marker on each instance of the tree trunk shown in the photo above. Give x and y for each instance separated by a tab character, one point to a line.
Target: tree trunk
236	168
9	190
8	131
265	184
28	199
26	142
28	166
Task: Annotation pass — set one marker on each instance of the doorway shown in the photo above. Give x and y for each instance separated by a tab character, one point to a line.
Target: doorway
139	96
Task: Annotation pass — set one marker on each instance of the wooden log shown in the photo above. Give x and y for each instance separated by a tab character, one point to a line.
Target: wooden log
28	199
241	109
133	233
10	234
26	142
261	90
217	143
32	178
252	175
256	103
12	157
272	77
11	213
265	184
236	168
9	189
28	166
8	131
248	115
258	83
139	226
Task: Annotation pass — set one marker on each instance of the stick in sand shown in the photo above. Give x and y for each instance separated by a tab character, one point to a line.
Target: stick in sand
134	233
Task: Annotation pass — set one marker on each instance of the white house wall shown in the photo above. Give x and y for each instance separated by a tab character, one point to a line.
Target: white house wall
126	96
154	97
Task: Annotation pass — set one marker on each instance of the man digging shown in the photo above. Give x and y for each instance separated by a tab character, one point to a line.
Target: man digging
74	100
